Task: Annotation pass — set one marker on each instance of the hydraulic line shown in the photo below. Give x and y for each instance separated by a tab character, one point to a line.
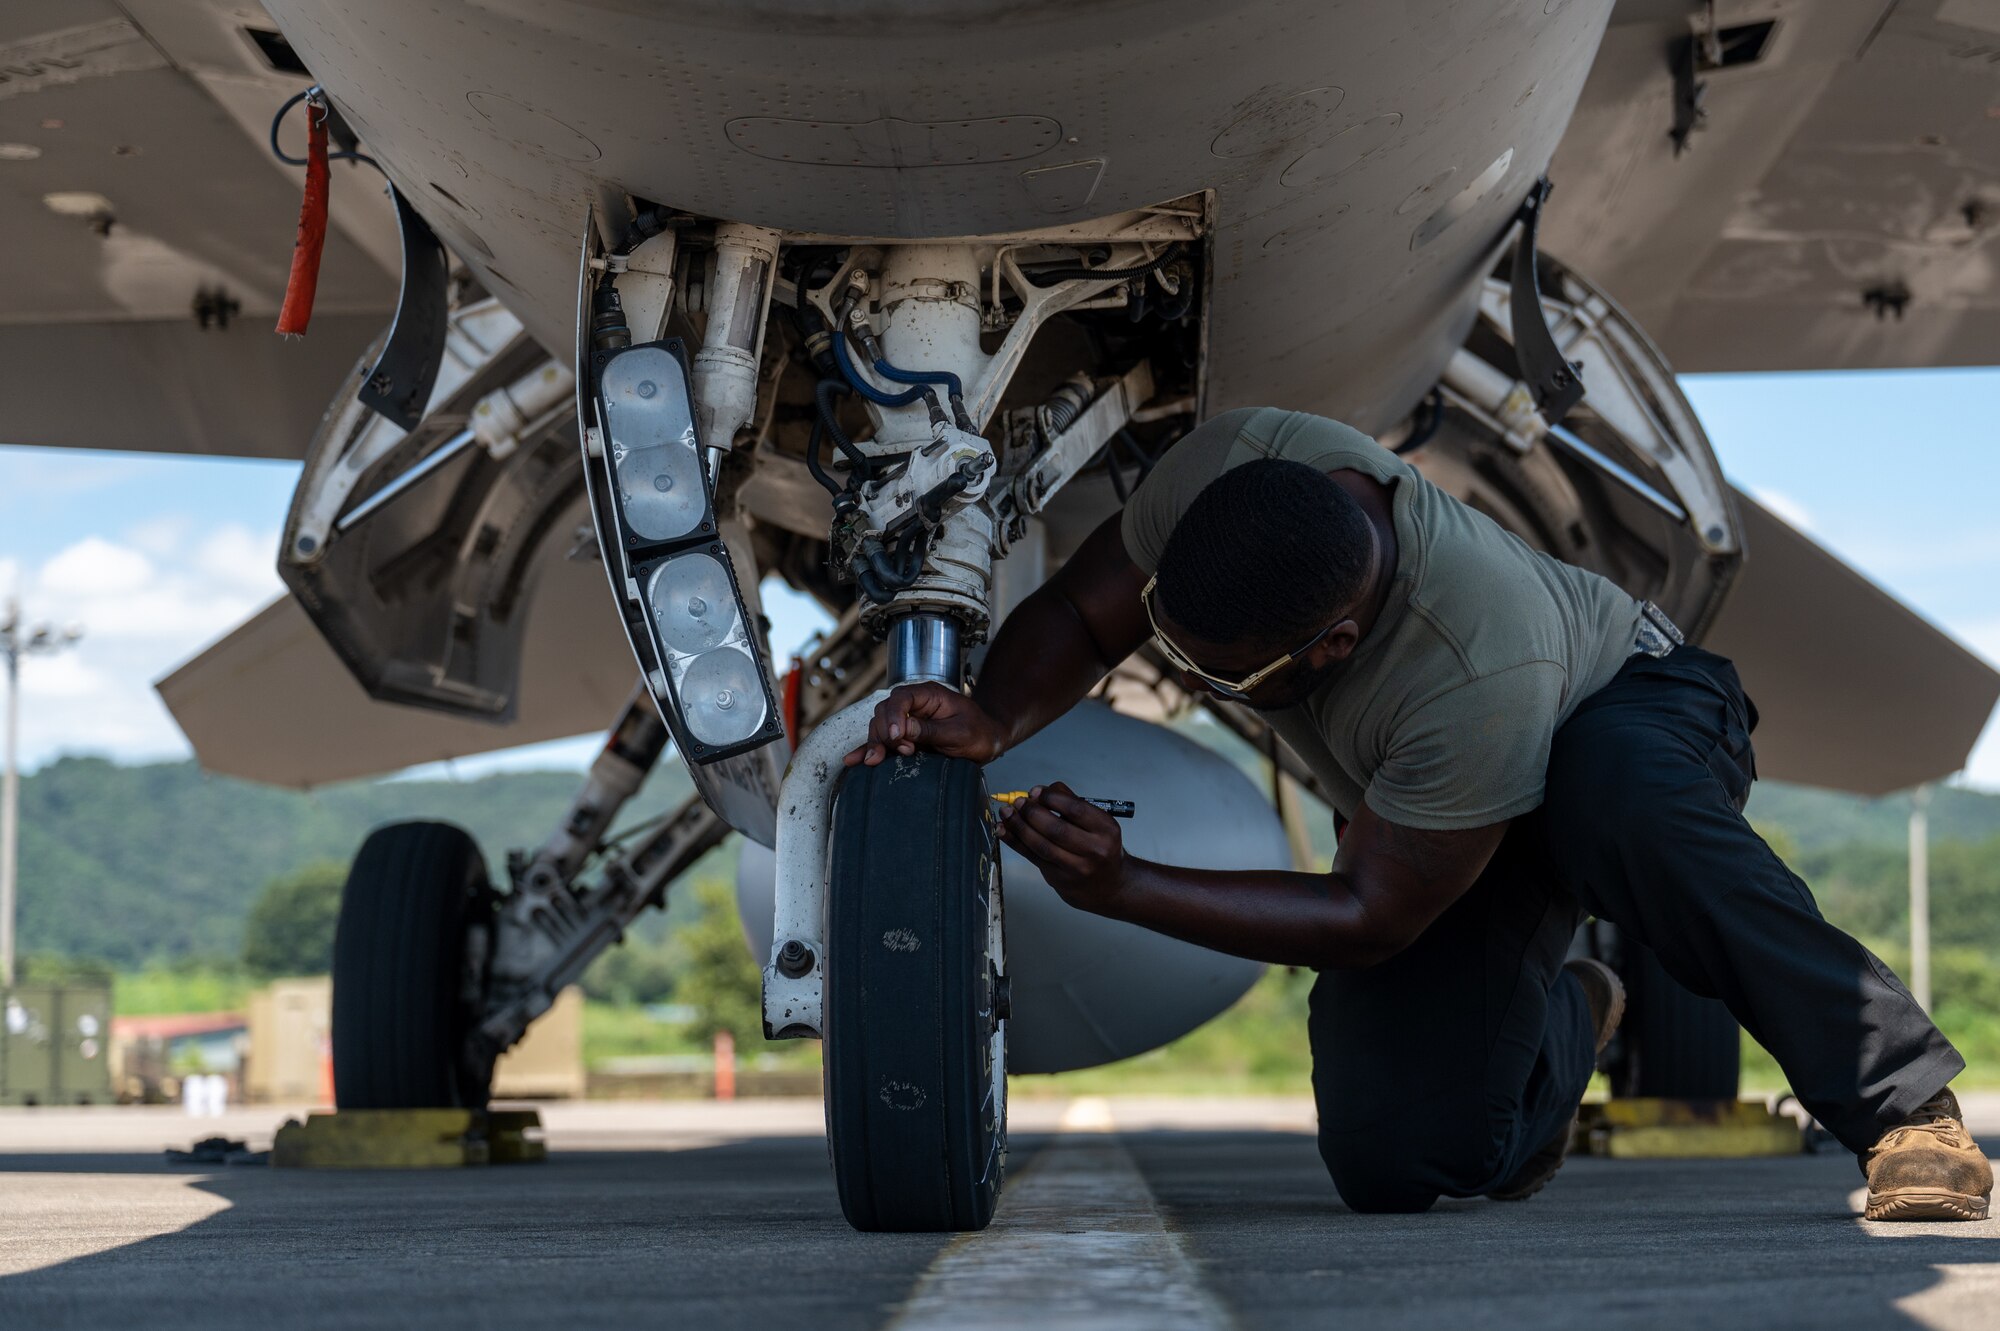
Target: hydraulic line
823	396
1428	416
944	378
1048	277
954	392
1117	472
862	386
814	465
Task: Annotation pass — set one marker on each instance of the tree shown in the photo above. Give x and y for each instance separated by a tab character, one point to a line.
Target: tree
717	975
51	968
290	927
631	973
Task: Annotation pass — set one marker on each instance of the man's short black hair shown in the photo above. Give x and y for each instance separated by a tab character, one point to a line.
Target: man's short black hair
1269	552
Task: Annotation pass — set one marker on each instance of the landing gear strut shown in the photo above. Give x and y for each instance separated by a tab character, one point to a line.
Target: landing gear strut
435	973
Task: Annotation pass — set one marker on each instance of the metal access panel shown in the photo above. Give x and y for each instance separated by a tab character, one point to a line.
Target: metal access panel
55	1045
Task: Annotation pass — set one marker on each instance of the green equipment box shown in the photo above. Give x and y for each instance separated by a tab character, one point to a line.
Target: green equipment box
55	1045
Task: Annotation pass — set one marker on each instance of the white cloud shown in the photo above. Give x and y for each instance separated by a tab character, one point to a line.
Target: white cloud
162	535
61	676
94	567
237	557
54	474
145	604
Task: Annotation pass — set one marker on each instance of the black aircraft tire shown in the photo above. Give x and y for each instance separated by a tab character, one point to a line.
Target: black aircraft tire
1679	1045
915	1049
399	1015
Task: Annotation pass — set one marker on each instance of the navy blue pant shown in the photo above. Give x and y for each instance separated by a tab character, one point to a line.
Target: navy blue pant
1440	1071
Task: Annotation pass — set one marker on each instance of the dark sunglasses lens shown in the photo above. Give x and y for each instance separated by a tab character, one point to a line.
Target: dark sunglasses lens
1224	692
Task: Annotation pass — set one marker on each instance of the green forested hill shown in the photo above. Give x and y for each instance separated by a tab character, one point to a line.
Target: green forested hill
159	862
1819	819
132	865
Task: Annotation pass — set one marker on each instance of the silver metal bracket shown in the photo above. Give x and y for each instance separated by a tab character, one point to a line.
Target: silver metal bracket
547	934
1070	451
953	470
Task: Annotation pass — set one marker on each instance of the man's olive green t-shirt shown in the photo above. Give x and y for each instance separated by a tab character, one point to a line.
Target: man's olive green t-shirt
1443	716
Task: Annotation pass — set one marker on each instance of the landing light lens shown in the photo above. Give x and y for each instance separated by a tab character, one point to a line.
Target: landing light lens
694	636
693	603
716	679
651	427
722	696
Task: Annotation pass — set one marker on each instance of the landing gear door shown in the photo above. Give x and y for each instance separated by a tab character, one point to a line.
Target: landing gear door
743	790
731	735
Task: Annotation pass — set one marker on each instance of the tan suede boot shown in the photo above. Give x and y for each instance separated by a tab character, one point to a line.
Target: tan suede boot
1606	995
1928	1168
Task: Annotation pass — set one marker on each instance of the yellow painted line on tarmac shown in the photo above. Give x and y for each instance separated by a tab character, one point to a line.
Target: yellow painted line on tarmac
1078	1242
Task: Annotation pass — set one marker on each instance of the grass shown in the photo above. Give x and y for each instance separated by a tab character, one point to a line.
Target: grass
612	1030
615	1031
1257	1047
156	991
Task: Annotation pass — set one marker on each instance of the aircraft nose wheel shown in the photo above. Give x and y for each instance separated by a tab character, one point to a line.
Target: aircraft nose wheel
915	1017
402	1001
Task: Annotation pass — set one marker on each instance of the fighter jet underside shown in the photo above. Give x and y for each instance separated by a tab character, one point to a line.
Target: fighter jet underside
898	309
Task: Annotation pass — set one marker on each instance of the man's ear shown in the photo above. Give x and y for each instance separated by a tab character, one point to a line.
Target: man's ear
1338	644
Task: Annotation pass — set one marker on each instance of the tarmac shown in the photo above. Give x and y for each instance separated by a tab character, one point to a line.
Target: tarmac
1154	1214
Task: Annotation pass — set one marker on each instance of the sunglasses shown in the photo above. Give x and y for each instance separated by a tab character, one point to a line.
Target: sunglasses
1235	690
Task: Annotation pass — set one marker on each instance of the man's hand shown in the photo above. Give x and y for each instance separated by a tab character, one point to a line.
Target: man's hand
1074	843
933	717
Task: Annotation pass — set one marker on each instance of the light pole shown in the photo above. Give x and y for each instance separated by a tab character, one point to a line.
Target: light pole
1920	896
17	641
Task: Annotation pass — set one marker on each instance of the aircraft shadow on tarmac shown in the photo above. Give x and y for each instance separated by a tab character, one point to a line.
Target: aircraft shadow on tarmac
748	1234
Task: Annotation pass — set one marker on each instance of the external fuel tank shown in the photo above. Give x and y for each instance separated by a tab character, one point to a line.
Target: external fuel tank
1088	990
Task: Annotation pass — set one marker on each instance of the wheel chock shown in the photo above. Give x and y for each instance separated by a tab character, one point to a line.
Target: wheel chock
1655	1129
410	1139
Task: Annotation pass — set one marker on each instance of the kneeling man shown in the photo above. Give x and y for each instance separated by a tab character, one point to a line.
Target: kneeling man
1513	743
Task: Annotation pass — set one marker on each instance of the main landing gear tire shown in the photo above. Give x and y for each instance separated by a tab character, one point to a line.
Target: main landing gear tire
1679	1045
915	1019
402	1011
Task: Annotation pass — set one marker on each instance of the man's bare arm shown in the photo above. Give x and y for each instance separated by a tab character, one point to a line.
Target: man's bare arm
1387	885
1051	651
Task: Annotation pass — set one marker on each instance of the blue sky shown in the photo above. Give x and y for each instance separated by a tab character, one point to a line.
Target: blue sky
1894	471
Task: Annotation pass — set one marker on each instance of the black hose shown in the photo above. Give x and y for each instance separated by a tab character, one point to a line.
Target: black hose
1140	457
890	575
872	588
646	224
1176	308
862	386
1430	414
910	554
1118	485
954	390
1048	277
280	154
824	395
888	572
814	465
